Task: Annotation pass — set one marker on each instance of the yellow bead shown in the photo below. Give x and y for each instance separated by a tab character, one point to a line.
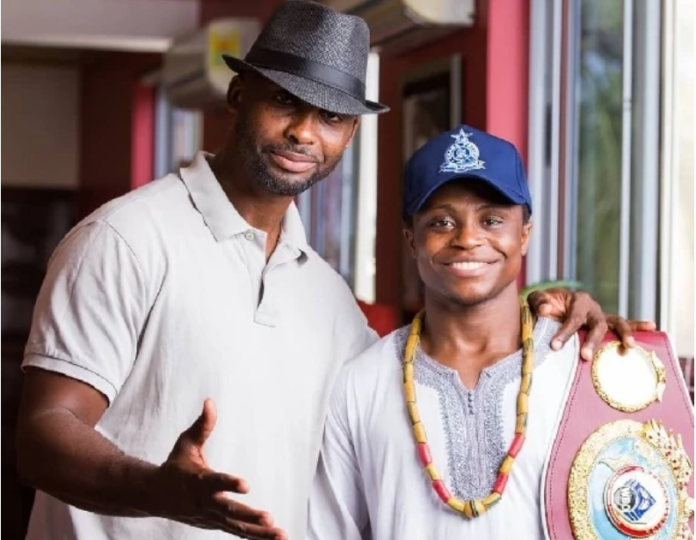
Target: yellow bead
416	324
508	462
413	412
410	391
527	335
467	510
522	403
415	327
526	383
473	509
528	367
521	425
491	499
477	508
527	351
408	372
432	472
419	433
411	345
526	315
456	504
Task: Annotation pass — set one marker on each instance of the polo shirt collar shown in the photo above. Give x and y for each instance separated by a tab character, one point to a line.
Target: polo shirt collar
220	215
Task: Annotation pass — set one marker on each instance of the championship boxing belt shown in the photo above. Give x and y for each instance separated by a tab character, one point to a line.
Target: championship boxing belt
621	462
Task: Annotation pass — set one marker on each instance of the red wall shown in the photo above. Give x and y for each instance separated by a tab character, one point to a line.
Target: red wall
508	71
108	94
143	135
507	114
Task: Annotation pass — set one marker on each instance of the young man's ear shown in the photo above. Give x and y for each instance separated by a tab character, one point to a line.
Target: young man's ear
526	233
410	238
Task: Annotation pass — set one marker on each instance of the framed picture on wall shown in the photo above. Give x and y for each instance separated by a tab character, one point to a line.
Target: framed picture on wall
431	102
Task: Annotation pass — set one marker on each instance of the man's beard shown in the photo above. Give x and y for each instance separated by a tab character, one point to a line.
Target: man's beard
259	169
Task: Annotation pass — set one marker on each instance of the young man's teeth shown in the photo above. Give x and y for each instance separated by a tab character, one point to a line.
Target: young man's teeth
468	265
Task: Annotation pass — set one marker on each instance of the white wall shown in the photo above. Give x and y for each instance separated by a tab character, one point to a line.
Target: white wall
683	256
137	25
40	125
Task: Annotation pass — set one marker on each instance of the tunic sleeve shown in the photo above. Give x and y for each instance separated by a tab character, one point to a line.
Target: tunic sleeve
337	505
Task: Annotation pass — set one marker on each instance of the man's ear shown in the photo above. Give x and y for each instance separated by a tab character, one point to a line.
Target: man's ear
356	123
234	94
410	239
526	233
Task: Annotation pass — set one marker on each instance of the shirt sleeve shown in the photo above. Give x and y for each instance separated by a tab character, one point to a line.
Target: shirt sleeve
90	311
337	505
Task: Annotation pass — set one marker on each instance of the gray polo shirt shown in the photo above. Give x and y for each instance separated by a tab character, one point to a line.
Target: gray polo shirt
163	298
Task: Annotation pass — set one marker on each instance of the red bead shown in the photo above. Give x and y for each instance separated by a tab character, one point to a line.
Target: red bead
424	454
500	483
516	446
441	490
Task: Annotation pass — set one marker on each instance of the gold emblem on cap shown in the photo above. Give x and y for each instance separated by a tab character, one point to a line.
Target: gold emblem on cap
628	382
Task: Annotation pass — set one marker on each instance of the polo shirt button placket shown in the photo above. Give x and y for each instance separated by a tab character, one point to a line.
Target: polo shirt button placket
265	313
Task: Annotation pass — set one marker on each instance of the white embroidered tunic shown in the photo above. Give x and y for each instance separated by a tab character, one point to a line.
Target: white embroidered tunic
370	483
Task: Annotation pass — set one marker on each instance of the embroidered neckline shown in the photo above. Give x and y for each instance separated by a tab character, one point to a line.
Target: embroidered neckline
474	437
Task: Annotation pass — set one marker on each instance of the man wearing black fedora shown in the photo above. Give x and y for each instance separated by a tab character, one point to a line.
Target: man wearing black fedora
197	296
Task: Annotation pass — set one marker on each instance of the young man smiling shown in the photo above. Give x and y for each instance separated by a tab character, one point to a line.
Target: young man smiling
435	432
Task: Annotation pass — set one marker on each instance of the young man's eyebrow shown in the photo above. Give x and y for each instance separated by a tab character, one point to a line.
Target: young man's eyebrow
444	206
497	206
483	206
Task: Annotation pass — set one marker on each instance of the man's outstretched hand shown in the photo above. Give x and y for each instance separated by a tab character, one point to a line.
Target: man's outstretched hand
578	310
190	492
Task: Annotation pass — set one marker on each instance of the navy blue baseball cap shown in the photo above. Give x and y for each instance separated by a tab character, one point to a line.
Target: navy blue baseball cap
464	153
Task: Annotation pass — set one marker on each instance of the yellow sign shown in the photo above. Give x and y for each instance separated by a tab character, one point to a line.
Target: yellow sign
222	42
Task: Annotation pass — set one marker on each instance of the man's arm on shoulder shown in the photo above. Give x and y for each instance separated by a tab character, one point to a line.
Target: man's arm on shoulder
337	505
576	310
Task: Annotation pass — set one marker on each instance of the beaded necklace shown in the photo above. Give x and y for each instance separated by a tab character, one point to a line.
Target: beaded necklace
476	508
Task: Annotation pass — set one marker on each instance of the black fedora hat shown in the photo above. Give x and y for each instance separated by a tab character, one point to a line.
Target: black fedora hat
316	54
